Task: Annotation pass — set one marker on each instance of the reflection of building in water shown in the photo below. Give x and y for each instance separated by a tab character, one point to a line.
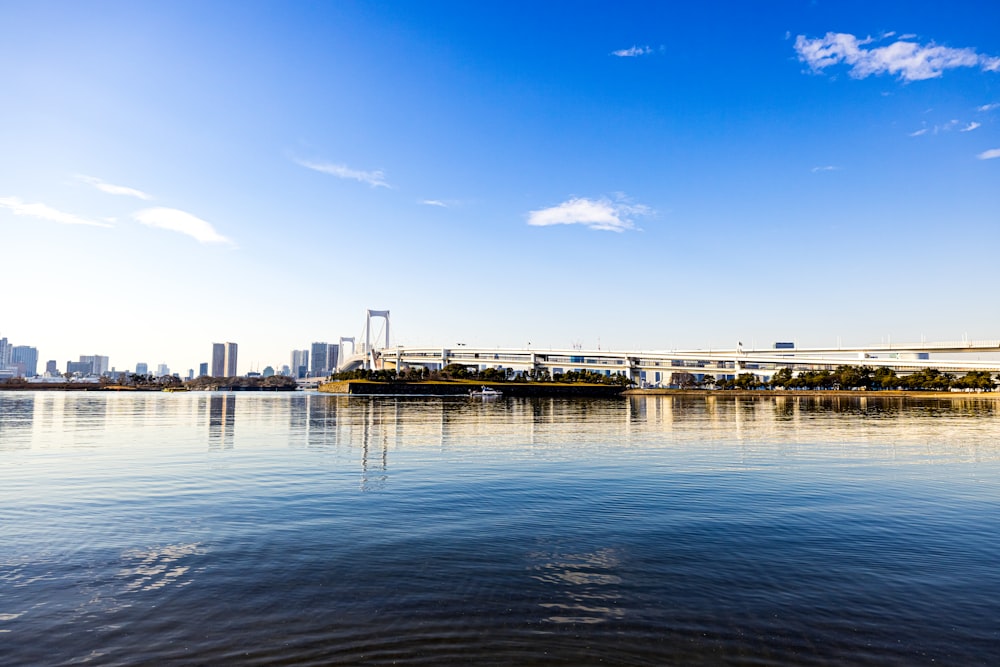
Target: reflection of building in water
88	413
221	421
17	414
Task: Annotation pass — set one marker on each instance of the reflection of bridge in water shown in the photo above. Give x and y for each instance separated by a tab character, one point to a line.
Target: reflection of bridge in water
660	367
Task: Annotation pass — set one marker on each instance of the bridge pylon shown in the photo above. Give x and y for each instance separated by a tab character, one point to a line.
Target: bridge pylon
369	349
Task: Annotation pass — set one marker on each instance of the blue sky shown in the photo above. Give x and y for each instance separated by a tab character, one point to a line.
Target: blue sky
629	175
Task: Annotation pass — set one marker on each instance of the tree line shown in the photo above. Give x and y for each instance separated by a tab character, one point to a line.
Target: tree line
859	377
461	372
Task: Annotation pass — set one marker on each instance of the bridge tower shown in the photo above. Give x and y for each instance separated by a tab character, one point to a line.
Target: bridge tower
343	355
369	348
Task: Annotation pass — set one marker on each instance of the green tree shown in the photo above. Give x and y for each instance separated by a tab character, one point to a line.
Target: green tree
782	378
885	378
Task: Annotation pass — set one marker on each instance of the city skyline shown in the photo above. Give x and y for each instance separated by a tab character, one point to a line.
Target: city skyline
636	176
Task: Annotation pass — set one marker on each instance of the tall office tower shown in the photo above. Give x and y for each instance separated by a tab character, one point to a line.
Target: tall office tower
4	353
318	365
203	369
51	369
161	370
98	363
218	360
300	363
142	368
230	360
190	374
83	368
333	357
26	359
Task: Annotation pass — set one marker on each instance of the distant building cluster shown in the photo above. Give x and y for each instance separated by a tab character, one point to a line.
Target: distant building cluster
17	360
320	359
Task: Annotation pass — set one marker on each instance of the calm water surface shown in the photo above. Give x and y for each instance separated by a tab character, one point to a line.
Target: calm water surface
313	529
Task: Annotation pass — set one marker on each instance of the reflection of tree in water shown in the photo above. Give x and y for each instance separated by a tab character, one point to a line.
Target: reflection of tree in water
221	421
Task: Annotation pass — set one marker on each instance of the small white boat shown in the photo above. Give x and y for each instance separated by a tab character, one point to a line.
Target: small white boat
485	392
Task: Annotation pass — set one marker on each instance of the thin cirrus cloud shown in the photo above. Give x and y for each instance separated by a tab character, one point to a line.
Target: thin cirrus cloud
989	107
991	154
947	127
112	189
828	167
601	214
45	212
906	59
175	220
434	202
375	179
632	52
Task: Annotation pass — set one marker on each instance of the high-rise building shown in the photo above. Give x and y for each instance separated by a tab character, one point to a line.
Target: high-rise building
324	359
318	365
4	353
142	368
51	369
230	360
218	360
81	367
161	370
99	364
223	359
25	359
300	363
203	369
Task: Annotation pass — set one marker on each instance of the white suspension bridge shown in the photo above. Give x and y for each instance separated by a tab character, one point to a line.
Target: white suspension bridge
659	368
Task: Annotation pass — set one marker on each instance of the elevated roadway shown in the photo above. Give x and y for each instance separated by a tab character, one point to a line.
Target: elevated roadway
656	367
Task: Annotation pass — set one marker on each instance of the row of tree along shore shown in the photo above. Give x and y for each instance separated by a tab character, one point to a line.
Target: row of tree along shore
456	379
854	377
844	377
488	375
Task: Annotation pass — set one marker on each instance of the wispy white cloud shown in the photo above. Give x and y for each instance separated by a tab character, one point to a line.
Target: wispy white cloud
989	107
906	59
947	127
434	202
180	221
44	212
633	52
828	167
113	189
991	154
601	214
376	178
